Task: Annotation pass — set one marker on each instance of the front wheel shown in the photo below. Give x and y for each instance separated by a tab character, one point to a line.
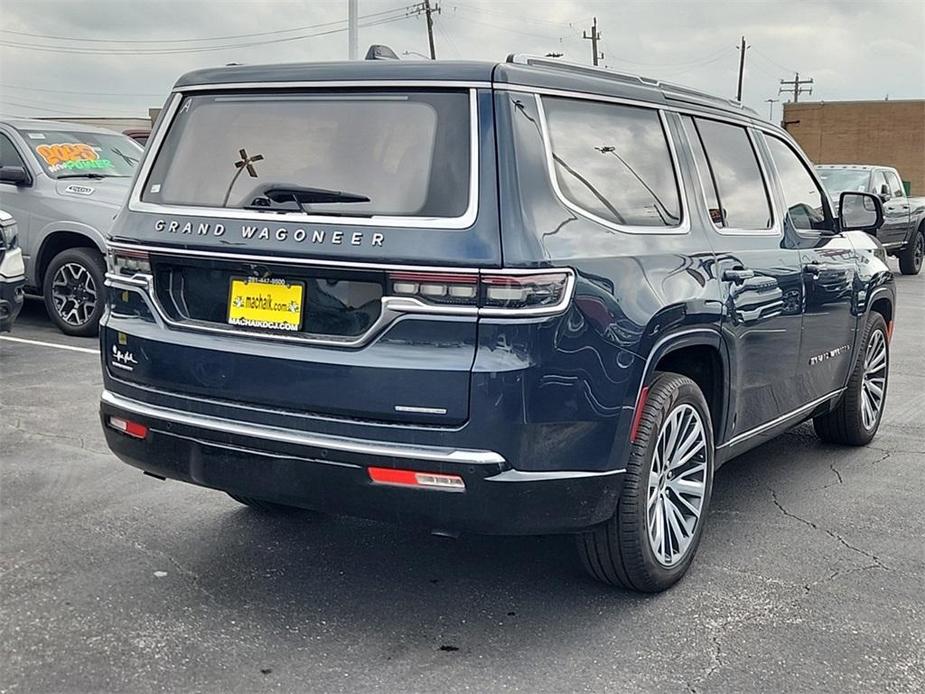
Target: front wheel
73	291
856	418
910	260
652	537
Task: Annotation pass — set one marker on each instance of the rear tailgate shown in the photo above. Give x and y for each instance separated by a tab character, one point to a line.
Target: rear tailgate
251	203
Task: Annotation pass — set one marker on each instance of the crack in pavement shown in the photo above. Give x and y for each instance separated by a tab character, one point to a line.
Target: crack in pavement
830	533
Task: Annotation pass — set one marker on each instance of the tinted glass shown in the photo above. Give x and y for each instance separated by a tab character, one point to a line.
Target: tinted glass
838	180
738	178
703	171
613	161
66	153
8	154
394	153
801	194
896	186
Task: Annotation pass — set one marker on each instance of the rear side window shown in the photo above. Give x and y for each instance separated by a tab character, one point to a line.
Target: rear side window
801	194
736	175
613	161
349	153
896	186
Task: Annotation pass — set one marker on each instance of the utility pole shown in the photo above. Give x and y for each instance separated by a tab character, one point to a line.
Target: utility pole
770	103
742	49
795	87
352	30
429	13
594	37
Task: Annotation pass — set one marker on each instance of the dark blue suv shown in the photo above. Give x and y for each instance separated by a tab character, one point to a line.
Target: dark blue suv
527	297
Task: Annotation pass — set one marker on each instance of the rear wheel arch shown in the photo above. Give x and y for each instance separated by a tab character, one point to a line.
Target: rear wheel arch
701	356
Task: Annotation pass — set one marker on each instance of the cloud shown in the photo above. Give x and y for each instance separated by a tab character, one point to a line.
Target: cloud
852	50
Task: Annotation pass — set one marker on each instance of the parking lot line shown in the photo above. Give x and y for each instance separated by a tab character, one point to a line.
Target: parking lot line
40	343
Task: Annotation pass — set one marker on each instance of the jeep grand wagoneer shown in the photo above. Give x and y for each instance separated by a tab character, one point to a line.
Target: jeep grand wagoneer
525	297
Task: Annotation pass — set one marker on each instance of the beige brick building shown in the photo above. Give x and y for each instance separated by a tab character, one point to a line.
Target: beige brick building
890	133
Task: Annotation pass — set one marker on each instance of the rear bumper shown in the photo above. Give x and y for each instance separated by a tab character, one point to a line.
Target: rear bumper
11	300
330	473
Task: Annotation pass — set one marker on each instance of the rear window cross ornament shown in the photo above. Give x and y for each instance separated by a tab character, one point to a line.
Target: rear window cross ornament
244	163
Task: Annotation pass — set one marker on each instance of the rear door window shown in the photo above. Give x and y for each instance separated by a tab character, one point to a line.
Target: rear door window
736	174
613	161
349	153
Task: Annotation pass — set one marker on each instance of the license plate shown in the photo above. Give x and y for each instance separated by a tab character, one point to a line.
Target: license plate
273	304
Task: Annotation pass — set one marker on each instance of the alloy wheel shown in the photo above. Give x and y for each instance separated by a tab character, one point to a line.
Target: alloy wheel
919	254
873	384
677	484
74	293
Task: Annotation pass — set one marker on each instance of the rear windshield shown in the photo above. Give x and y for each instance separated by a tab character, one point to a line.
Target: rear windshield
356	153
838	180
73	153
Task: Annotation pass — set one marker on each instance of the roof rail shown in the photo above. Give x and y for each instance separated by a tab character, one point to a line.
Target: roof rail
672	91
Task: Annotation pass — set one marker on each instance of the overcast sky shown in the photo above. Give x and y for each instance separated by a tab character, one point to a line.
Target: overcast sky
118	57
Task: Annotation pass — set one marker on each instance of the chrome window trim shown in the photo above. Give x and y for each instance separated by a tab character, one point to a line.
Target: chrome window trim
767	426
776	229
464	221
706	111
343	444
683	228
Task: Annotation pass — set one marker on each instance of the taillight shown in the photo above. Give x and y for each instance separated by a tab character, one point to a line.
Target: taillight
435	287
128	262
493	293
538	291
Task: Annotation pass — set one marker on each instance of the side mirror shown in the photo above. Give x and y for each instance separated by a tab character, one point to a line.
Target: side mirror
14	174
860	212
885	192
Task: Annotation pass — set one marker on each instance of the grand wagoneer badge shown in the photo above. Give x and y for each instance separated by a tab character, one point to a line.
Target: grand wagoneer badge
253	232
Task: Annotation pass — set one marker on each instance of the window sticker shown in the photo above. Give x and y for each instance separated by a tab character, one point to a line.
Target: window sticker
71	155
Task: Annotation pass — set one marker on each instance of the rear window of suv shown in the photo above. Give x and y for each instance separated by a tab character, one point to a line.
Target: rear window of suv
613	161
350	153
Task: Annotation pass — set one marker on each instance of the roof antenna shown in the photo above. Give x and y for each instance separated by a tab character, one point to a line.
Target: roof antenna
377	51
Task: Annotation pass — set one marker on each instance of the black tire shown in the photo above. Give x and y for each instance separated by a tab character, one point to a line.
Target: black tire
272	509
619	552
87	324
845	424
911	258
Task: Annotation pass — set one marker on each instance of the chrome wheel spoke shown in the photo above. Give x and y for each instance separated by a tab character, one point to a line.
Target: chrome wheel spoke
873	382
677	484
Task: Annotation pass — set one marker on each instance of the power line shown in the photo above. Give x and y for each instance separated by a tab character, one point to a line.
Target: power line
80	92
173	51
203	38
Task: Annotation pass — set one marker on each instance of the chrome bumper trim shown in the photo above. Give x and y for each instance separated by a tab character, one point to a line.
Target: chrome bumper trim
437	454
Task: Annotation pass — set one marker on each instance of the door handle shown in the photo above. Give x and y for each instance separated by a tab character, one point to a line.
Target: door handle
738	276
815	269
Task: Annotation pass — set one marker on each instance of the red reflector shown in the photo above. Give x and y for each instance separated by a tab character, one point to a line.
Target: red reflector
637	416
411	478
889	331
129	428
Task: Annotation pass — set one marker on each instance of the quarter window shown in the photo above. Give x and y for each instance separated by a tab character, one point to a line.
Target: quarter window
613	161
736	174
801	194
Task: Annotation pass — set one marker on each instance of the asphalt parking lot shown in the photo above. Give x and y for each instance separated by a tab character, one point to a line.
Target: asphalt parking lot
809	577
